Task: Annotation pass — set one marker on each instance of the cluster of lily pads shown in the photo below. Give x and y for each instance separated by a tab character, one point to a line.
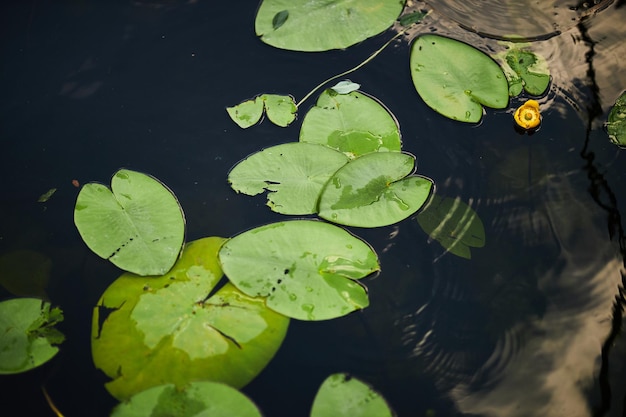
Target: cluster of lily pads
188	323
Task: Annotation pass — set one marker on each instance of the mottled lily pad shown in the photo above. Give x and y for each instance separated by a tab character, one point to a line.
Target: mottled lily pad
174	329
353	123
374	190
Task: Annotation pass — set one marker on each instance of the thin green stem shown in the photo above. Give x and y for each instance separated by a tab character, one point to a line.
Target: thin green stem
334	77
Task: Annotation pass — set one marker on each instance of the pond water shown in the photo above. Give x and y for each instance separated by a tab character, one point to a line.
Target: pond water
529	326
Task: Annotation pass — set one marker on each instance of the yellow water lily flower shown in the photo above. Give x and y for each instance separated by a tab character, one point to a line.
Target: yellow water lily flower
527	115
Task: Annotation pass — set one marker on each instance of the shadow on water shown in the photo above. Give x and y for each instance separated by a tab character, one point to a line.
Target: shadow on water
531	325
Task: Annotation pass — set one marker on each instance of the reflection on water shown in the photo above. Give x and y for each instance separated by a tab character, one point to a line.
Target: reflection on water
544	289
509	19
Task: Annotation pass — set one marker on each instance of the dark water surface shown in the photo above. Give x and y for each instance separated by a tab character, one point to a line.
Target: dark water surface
527	327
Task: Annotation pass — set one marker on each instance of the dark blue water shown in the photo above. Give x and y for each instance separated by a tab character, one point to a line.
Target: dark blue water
528	326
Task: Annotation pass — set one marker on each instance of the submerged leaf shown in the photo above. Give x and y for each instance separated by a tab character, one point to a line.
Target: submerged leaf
456	79
453	224
150	331
292	173
374	190
303	269
352	123
322	25
138	224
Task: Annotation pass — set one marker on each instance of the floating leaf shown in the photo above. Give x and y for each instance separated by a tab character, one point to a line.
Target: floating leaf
374	190
616	125
150	331
247	113
293	173
305	269
137	224
525	70
453	224
342	395
352	123
456	79
280	109
27	335
320	25
202	398
345	87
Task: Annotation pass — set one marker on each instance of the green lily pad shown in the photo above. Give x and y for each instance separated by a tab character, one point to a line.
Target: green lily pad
453	224
321	25
456	79
616	125
342	395
280	109
151	331
137	224
352	123
292	173
374	190
525	70
247	113
304	269
202	398
27	335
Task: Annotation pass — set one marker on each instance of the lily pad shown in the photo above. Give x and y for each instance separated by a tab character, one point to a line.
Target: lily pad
304	269
151	331
616	125
292	173
454	224
202	398
456	79
321	25
525	70
27	335
374	190
342	395
352	123
280	109
137	224
247	113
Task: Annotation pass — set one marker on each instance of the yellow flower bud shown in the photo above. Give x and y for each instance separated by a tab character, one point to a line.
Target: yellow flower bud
527	115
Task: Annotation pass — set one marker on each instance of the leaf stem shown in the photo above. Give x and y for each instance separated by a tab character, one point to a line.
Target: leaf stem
334	77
